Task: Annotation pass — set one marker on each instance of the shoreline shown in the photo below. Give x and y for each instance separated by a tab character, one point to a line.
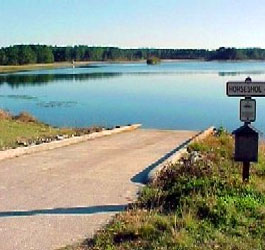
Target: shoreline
63	141
6	69
29	67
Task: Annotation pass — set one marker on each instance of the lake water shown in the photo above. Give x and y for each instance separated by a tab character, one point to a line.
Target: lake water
172	95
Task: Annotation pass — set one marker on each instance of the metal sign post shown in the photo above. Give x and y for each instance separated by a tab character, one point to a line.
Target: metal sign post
246	137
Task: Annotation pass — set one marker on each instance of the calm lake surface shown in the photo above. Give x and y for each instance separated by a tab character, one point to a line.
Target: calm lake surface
172	95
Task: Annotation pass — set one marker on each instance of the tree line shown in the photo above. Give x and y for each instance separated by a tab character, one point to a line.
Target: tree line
29	54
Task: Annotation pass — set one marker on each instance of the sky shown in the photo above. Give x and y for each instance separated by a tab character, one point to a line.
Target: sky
207	24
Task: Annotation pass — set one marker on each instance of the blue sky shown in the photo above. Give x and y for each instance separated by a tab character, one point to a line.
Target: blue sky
134	23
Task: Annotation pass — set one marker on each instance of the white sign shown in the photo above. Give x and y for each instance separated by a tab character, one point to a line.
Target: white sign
247	110
245	89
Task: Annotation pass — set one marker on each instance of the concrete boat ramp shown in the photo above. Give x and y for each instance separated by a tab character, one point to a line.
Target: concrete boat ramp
57	197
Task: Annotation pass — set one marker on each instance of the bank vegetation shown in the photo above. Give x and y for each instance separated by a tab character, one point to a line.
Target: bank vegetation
199	203
25	130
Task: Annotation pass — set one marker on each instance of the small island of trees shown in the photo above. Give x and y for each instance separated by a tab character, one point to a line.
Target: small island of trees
153	60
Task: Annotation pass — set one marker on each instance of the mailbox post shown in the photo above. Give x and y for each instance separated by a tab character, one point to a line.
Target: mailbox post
246	137
246	147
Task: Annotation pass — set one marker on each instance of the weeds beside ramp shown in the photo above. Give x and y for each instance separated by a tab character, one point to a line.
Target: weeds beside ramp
54	198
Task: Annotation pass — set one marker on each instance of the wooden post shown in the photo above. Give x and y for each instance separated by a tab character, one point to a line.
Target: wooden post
245	174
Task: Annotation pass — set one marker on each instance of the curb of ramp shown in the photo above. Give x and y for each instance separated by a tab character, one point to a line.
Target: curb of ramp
12	153
153	174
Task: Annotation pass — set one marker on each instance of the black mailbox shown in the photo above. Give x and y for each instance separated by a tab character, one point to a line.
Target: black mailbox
246	144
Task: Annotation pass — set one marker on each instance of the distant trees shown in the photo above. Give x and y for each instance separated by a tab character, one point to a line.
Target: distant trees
95	54
44	54
25	54
12	55
237	54
224	54
3	57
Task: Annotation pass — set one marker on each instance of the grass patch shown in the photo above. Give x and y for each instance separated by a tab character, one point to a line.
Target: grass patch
199	203
24	130
14	133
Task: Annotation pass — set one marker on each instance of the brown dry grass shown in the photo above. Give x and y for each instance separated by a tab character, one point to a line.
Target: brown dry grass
25	117
5	115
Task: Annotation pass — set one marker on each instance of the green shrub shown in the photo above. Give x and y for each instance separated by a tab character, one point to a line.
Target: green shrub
153	60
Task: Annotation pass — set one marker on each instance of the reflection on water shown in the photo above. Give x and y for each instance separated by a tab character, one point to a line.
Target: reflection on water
88	66
183	95
21	97
241	73
17	80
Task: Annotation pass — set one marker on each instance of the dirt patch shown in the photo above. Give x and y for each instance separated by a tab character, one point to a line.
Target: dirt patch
5	115
25	117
